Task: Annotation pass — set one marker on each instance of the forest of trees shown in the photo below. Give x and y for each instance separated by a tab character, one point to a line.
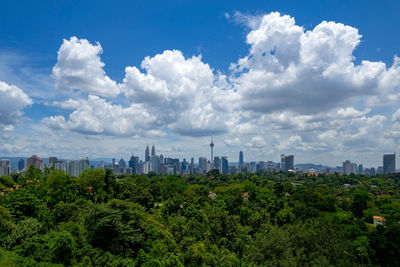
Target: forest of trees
263	219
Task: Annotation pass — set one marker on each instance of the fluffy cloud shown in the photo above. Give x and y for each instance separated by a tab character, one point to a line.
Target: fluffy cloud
67	104
12	101
79	67
184	93
290	69
98	116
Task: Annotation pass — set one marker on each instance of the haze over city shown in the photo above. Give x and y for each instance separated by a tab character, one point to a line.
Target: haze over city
259	77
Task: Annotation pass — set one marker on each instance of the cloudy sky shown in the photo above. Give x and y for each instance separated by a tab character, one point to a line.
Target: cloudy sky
105	78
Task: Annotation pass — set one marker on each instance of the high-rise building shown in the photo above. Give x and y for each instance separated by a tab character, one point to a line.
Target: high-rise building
212	149
203	164
349	167
21	164
75	167
122	163
240	158
270	166
283	162
217	163
252	167
287	162
360	169
56	166
147	154
244	168
131	164
146	167
389	163
35	161
224	165
53	160
155	164
5	167
372	171
153	151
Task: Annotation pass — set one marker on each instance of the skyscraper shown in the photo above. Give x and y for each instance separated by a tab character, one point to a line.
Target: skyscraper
240	158
289	162
155	164
212	149
224	165
53	160
283	162
389	163
147	154
360	169
34	160
349	167
21	164
217	163
203	164
75	167
5	167
122	163
153	151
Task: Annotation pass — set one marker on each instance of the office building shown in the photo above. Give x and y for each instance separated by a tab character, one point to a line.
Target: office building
360	169
240	158
270	166
203	164
21	164
252	167
287	162
389	163
349	167
224	165
155	164
76	167
147	154
122	163
153	151
217	163
34	161
283	163
5	167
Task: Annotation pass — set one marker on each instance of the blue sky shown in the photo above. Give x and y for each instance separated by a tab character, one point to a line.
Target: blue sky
308	117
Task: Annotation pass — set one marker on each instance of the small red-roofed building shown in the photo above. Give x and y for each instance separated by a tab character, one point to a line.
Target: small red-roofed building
378	220
245	195
7	190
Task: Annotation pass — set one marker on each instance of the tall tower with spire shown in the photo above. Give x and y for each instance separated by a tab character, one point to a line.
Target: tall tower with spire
147	154
212	149
153	151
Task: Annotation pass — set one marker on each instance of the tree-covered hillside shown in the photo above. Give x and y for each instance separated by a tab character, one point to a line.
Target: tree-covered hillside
264	219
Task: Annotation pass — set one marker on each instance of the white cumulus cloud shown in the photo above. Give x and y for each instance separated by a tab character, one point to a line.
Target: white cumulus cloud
291	69
12	102
79	67
98	116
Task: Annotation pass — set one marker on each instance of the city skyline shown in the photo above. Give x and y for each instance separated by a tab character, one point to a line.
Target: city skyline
170	165
146	156
286	162
314	80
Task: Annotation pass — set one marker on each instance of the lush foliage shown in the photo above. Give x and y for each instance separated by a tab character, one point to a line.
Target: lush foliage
98	219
